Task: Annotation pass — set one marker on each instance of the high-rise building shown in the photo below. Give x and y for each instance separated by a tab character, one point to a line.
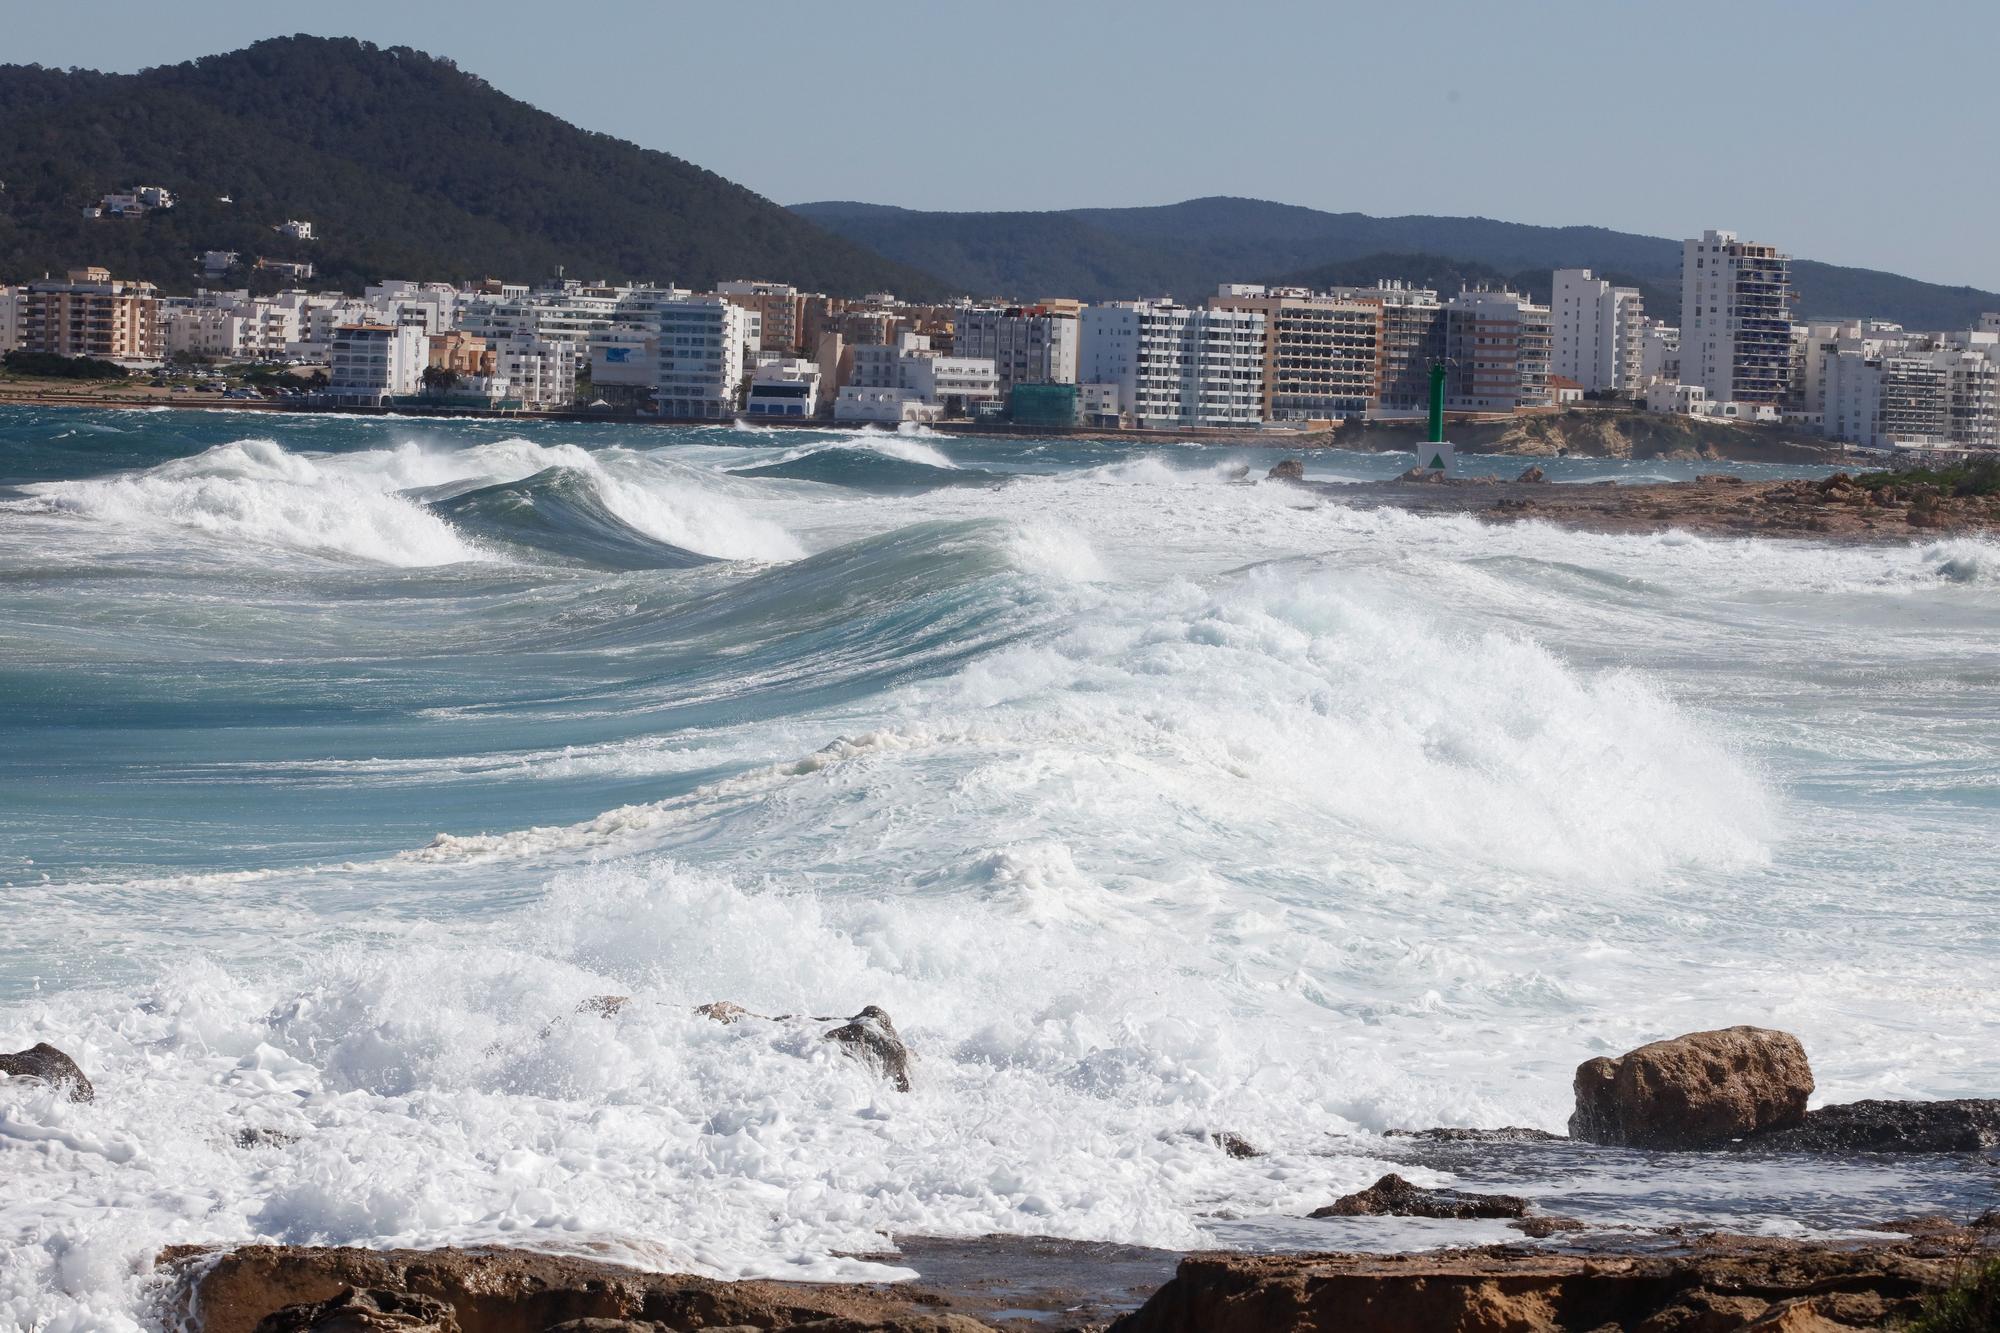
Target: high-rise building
1497	345
92	314
1027	344
1413	340
1322	353
700	356
10	319
1173	365
1736	319
369	364
1596	332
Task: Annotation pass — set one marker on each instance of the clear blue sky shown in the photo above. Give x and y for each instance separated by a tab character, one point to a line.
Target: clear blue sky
1855	133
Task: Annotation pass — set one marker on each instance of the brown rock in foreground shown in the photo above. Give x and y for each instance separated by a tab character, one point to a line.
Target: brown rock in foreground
46	1064
517	1291
1718	1284
1287	469
1695	1091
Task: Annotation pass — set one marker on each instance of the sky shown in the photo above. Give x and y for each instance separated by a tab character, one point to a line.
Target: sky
1854	133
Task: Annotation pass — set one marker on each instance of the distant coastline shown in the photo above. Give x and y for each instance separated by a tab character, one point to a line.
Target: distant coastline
1584	433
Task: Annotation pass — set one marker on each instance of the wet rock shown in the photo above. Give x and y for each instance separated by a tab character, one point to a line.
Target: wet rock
1699	1090
1543	1225
255	1137
1718	479
1532	473
372	1311
1707	1286
45	1064
1505	1134
604	1005
1234	1144
1393	1196
1421	474
871	1038
1971	1125
489	1290
1288	469
616	1326
724	1011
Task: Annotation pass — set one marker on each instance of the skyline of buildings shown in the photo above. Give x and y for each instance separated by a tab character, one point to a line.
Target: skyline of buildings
1247	356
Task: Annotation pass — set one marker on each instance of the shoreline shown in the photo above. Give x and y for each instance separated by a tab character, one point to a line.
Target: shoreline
1596	433
1833	510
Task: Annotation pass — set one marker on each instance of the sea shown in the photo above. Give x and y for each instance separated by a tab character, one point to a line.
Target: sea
345	762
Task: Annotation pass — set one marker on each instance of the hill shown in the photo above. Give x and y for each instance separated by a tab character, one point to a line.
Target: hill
1186	248
406	165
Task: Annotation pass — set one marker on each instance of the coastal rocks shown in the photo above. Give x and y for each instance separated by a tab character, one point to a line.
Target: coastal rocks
871	1038
1287	469
1532	474
1712	1285
45	1064
868	1036
1393	1196
355	1311
506	1291
1505	1134
1971	1125
1718	479
1695	1091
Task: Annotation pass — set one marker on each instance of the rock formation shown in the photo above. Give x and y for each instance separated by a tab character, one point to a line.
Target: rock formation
1971	1125
46	1064
871	1038
1393	1196
1713	1285
1287	469
1700	1090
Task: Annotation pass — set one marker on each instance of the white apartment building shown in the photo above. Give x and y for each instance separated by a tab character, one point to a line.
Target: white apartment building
699	354
1659	352
1596	332
430	306
540	372
950	382
1498	349
787	388
1173	365
368	364
1881	401
232	325
295	229
1736	320
1027	344
10	319
877	406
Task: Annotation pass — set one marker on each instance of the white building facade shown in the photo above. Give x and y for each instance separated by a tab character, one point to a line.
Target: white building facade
1596	332
369	364
1174	365
700	347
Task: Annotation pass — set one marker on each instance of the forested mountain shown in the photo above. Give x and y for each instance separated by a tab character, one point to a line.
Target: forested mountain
1186	248
405	165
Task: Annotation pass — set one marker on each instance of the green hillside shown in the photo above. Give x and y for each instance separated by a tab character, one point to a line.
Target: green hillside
406	165
1186	249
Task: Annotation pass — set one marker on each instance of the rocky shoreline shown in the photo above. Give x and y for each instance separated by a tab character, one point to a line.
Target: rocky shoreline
1740	1089
1836	508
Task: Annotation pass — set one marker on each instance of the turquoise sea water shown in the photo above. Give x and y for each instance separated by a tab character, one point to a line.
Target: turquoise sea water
341	758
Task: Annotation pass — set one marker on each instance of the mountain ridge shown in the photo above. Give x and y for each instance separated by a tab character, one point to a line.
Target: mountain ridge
408	166
1187	247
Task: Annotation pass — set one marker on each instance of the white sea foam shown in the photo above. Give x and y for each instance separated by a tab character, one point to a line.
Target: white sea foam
1194	806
